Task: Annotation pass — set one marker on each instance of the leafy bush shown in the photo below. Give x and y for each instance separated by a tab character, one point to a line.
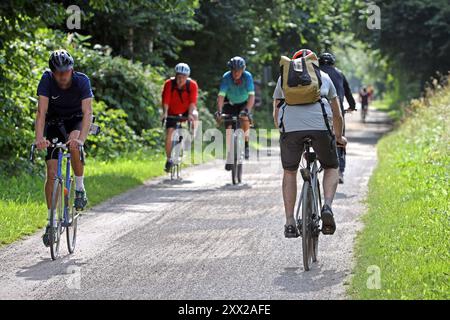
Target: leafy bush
123	84
126	95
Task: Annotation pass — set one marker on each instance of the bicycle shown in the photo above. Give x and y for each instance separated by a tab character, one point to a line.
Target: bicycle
237	147
62	212
310	201
177	150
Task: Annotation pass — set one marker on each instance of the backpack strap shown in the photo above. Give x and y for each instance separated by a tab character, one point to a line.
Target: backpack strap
283	107
188	86
325	118
180	92
281	76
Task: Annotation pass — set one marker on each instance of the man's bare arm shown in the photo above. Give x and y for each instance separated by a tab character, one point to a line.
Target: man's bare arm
338	121
220	103
250	102
276	102
39	125
86	107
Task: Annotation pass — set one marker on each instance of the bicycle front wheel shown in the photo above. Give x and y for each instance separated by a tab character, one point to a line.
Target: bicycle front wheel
307	225
56	214
72	215
239	173
234	168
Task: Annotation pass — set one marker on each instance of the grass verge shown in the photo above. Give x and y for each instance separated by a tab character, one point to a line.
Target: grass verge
404	250
22	203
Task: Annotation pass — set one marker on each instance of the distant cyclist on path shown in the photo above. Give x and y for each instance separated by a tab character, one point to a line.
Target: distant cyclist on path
179	97
237	98
364	98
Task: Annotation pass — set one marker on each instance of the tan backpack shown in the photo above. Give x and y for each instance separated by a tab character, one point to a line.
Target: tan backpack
300	79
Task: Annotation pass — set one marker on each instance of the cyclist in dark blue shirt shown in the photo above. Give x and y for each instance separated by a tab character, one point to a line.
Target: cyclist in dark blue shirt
64	115
327	64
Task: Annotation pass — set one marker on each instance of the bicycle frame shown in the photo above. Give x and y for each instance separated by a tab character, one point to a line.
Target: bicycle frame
177	141
310	173
235	126
67	184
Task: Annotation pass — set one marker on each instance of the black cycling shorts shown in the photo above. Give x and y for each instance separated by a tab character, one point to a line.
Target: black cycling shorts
291	146
172	123
233	110
54	131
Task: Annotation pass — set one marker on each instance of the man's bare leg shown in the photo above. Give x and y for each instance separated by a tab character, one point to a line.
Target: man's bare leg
77	165
52	167
289	195
228	133
169	134
245	125
330	183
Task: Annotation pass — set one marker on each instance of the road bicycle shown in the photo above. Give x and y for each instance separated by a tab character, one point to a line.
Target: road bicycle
178	145
63	215
237	147
310	204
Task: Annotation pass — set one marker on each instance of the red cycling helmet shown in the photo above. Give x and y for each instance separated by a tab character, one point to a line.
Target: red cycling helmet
299	53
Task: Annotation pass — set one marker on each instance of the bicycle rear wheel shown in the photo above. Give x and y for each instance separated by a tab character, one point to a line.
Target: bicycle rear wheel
56	214
71	228
316	219
307	223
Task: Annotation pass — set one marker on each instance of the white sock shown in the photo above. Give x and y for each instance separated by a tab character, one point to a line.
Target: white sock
79	183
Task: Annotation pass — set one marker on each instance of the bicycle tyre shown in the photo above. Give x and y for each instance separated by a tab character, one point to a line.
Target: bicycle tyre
55	216
307	240
172	172
239	172
71	229
315	244
234	169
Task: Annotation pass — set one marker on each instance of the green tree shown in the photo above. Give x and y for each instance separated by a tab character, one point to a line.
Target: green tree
414	37
138	29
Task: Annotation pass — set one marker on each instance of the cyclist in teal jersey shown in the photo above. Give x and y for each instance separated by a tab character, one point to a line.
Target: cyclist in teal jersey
236	97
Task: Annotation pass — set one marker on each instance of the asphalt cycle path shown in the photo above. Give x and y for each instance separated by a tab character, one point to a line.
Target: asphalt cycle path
201	238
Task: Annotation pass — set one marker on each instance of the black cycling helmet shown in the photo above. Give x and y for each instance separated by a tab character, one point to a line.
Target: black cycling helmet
327	58
60	60
236	63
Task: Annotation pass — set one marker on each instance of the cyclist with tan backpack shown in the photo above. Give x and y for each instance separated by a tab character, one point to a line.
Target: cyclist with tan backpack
306	106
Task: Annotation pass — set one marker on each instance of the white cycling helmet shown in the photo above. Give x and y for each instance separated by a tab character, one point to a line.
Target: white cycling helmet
183	68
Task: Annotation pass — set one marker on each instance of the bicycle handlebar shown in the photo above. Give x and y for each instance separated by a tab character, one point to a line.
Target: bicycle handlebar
180	118
233	117
58	145
176	118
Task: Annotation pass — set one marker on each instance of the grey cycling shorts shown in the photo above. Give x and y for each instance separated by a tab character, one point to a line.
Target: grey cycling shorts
291	145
